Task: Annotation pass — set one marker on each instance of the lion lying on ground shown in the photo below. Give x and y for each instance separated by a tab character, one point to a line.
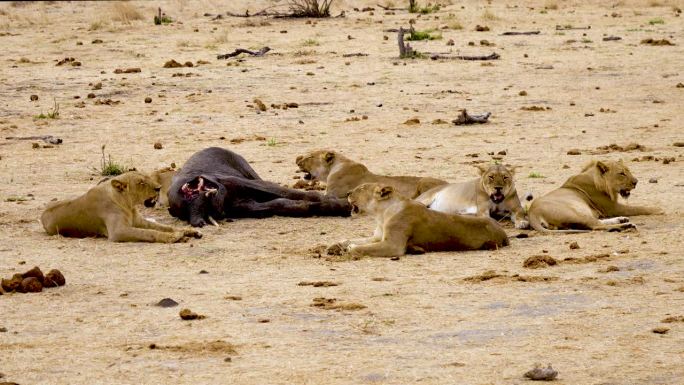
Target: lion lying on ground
589	201
108	209
341	175
492	194
404	224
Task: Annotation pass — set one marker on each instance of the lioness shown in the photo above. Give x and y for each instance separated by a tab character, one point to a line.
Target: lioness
492	194
108	209
406	224
341	175
582	202
163	177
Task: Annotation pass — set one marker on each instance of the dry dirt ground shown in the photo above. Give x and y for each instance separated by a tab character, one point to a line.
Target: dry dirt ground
423	322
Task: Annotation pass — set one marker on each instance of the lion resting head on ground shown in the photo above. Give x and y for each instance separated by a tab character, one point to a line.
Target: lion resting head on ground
341	175
492	194
589	201
406	225
109	210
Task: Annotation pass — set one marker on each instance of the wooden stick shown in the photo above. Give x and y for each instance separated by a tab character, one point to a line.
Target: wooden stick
465	118
492	56
514	33
238	51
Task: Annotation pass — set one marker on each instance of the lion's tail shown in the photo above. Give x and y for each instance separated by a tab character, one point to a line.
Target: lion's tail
536	223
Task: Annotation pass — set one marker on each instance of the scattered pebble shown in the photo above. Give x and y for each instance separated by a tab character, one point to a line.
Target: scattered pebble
34	98
574	246
158	145
653	180
148	100
660	330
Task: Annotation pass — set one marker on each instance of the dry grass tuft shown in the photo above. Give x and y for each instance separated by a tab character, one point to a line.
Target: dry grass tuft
489	15
125	12
310	8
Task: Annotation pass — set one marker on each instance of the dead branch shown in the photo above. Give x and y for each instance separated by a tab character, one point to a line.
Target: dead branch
569	27
437	56
354	54
405	49
465	118
238	51
386	8
45	138
514	33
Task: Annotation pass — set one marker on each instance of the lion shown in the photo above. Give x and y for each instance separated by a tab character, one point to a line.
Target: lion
341	175
404	224
492	194
589	201
108	209
163	177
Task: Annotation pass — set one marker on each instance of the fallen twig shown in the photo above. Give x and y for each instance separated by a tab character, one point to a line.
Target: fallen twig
569	27
386	8
492	56
45	138
465	118
354	54
514	33
238	51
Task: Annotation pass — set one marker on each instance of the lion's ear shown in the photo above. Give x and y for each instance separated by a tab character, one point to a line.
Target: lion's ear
481	168
603	168
383	192
299	158
119	185
513	169
329	156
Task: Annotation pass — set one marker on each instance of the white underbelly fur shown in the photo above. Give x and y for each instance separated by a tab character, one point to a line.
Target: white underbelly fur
442	204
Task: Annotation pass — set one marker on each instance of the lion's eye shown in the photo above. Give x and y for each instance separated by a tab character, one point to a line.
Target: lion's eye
505	178
491	177
623	174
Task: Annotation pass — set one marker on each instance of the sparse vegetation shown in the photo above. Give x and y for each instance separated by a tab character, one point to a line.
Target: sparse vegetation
51	114
535	174
304	52
311	43
310	8
108	167
489	15
655	21
429	8
272	142
125	12
586	41
415	35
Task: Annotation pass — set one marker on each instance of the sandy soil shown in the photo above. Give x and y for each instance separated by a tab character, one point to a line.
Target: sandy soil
423	322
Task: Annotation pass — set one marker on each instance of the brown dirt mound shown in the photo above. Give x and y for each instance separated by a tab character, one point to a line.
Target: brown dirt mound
539	261
333	304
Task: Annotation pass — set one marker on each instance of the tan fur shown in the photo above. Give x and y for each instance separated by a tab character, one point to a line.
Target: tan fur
584	200
109	210
404	224
163	177
475	197
341	175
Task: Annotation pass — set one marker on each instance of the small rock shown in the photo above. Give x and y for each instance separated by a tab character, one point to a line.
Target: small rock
481	28
680	85
574	152
227	359
203	272
97	86
166	302
97	41
158	145
412	121
187	315
653	180
31	285
522	93
54	278
574	246
451	42
34	98
91	96
263	320
148	100
542	374
3	330
678	144
660	330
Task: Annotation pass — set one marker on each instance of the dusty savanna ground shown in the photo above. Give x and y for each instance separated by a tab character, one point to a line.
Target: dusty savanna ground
422	321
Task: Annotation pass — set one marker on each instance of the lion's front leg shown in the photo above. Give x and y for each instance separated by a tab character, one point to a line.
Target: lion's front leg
343	246
392	245
142	223
627	210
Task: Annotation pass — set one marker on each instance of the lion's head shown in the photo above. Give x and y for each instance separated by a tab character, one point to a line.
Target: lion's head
612	177
497	181
370	197
137	187
316	165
